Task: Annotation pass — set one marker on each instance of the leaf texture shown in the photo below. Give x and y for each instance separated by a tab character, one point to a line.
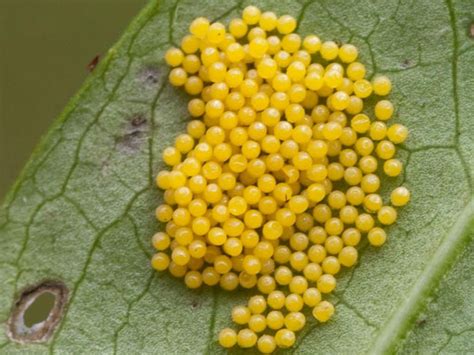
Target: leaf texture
82	210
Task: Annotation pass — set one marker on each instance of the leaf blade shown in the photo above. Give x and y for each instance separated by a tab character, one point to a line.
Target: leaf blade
103	167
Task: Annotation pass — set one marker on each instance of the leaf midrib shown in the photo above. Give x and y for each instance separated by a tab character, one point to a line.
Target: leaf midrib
399	323
401	320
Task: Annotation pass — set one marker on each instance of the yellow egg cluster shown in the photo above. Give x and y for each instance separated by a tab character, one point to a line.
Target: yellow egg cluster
276	178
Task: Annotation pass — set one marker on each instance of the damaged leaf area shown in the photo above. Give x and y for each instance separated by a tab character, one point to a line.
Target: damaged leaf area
82	210
47	300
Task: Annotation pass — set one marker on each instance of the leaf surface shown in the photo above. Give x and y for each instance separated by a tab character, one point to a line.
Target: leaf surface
82	210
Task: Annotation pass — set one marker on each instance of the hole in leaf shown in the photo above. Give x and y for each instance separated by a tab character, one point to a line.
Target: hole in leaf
37	312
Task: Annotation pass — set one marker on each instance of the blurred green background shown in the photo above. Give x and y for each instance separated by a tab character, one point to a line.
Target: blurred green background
45	47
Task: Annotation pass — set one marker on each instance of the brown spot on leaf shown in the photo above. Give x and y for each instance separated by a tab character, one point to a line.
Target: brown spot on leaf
150	75
406	64
137	121
19	328
93	63
471	30
421	321
134	136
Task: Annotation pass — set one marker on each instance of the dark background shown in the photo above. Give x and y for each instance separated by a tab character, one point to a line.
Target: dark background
45	47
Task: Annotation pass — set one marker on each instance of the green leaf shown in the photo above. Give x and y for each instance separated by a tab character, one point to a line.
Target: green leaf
82	210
